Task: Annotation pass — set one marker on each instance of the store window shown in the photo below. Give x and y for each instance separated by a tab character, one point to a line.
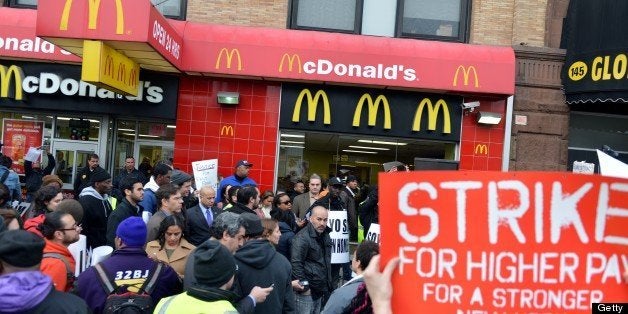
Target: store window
77	129
589	132
442	20
21	132
327	154
23	3
332	15
174	9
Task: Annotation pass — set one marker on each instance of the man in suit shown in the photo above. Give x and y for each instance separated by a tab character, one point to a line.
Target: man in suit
200	217
303	202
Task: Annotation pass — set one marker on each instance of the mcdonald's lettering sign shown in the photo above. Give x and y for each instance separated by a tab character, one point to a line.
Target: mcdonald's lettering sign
373	107
482	149
312	104
432	115
6	73
226	130
466	73
291	59
229	58
92	15
106	67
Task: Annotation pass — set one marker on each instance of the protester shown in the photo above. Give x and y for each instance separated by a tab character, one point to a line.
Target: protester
184	182
59	231
170	246
342	297
239	178
161	176
297	189
271	231
303	202
46	200
53	180
266	203
282	212
12	220
199	218
5	195
379	284
97	208
248	199
25	289
33	175
213	275
232	197
131	187
259	264
9	178
170	202
311	262
128	258
72	207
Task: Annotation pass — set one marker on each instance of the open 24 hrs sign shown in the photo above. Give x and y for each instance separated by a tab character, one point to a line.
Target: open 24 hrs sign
504	242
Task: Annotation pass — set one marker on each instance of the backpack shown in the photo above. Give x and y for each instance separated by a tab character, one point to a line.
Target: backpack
128	302
69	271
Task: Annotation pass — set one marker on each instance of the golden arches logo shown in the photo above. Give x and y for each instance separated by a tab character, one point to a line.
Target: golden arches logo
229	56
226	130
373	107
466	73
92	20
482	149
312	104
432	115
6	74
291	59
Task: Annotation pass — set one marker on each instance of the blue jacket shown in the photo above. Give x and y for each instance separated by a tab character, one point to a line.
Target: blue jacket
233	181
149	203
13	184
126	263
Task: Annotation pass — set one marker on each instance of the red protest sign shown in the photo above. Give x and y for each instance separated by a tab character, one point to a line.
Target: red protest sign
497	242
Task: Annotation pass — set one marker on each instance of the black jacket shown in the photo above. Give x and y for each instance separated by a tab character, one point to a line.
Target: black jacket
197	227
96	211
33	177
369	210
116	191
285	240
311	259
83	179
123	211
259	264
59	302
238	208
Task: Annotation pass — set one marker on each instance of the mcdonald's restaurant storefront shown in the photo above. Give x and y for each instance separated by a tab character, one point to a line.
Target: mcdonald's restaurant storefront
294	107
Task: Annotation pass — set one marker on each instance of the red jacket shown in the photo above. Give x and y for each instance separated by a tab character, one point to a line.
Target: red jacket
55	268
31	224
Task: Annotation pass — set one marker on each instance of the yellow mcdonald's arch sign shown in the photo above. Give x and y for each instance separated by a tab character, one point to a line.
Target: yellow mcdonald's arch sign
482	149
373	110
312	104
466	73
291	59
226	130
432	115
229	56
92	20
6	73
104	66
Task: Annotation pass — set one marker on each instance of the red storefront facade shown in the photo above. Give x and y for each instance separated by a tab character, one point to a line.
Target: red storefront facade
255	62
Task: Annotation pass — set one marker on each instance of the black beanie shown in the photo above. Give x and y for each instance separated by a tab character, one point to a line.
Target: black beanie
99	175
21	248
214	265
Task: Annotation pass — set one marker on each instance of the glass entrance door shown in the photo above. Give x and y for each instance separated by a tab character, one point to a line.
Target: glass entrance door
148	153
70	157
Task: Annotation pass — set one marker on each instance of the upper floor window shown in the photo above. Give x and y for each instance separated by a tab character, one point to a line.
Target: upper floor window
174	9
333	15
442	20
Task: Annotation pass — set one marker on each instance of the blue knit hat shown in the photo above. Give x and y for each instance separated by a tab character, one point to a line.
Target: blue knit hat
132	232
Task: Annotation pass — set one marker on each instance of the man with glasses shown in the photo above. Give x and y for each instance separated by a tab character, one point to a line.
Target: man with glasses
170	202
59	230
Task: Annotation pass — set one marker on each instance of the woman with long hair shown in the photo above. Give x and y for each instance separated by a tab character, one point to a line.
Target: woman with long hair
266	203
170	246
46	200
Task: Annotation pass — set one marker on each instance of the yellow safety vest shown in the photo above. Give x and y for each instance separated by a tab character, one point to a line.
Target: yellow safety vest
184	304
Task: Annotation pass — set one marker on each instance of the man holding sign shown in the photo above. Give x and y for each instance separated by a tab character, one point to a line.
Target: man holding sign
311	262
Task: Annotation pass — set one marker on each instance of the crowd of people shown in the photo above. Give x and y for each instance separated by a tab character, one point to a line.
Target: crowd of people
179	249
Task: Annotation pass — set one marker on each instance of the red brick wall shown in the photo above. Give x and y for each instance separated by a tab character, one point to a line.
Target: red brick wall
474	136
255	121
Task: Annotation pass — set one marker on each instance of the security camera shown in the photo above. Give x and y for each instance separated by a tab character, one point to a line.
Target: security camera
470	105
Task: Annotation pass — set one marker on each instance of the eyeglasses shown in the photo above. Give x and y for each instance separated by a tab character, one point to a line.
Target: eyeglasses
75	227
286	202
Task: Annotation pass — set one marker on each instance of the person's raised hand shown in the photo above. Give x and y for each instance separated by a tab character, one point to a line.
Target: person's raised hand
379	284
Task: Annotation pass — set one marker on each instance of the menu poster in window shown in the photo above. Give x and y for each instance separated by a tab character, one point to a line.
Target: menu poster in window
206	173
18	136
504	242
